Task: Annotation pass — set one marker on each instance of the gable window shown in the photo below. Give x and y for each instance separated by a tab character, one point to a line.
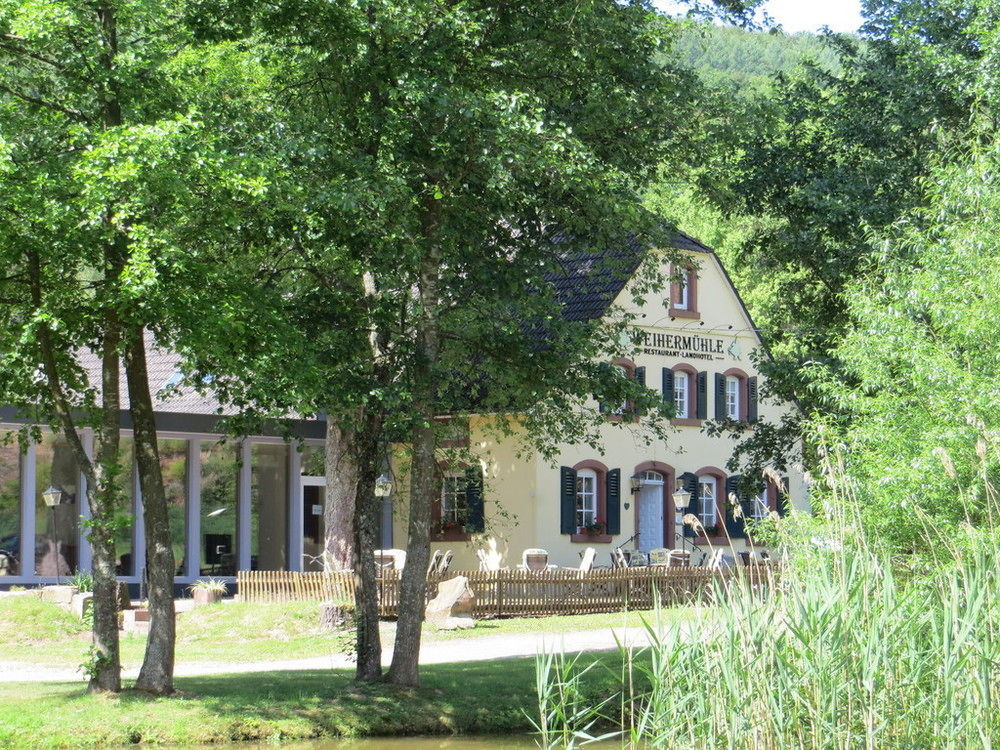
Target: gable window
732	397
684	292
681	391
586	497
454	510
683	289
707	495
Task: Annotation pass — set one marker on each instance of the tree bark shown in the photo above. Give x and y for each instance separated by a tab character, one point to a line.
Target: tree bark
368	508
341	491
404	669
101	493
157	672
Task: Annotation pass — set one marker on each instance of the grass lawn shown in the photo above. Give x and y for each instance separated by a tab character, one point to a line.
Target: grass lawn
41	633
454	699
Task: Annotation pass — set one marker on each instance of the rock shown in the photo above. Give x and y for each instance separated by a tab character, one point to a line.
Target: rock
454	597
135	620
62	595
81	603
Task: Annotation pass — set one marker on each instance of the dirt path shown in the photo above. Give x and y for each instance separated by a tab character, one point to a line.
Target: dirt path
480	648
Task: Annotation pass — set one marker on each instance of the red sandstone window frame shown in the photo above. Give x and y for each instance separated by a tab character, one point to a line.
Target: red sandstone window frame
690	276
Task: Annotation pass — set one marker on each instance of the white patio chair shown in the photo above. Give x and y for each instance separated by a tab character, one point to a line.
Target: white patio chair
678	558
618	560
586	561
435	562
535	559
715	560
445	562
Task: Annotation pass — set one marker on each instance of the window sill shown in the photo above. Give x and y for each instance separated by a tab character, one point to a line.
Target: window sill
590	538
674	312
450	536
686	422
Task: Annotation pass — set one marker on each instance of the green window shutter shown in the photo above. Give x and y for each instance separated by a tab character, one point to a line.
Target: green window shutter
476	521
668	387
734	526
640	375
720	396
752	399
567	500
613	502
701	396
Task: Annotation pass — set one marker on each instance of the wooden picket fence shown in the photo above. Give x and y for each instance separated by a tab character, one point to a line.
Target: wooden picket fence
507	593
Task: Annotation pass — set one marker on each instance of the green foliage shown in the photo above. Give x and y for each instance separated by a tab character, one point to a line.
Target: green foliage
83	581
923	412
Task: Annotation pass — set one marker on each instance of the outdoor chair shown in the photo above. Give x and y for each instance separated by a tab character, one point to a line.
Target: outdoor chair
586	561
535	560
390	559
659	557
618	560
678	558
445	563
638	560
716	559
489	561
435	563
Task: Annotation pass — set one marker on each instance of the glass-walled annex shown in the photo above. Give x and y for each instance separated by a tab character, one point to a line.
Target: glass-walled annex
232	506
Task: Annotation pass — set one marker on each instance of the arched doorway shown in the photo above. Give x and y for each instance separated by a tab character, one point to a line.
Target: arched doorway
651	510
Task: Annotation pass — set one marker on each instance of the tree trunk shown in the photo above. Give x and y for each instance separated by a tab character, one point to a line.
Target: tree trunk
101	494
368	509
157	672
105	505
341	490
413	587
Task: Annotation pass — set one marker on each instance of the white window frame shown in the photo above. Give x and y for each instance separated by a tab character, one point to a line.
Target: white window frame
683	292
759	509
586	497
708	511
453	486
682	383
733	397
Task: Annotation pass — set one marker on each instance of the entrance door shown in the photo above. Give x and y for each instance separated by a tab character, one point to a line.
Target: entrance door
313	500
651	512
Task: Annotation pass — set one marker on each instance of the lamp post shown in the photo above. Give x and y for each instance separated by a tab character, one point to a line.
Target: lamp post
52	497
383	486
682	499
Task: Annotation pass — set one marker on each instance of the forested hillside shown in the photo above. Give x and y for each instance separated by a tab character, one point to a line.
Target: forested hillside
729	55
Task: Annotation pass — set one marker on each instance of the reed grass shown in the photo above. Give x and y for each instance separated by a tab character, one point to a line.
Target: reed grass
846	651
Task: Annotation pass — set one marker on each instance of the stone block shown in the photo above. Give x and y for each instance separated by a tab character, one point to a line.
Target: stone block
81	604
62	595
454	597
135	620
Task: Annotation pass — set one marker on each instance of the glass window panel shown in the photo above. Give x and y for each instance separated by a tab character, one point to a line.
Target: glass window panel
586	497
173	466
706	493
313	461
10	505
56	528
125	535
218	509
268	506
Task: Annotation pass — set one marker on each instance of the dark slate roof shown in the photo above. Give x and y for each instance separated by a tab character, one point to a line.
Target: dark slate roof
164	371
589	282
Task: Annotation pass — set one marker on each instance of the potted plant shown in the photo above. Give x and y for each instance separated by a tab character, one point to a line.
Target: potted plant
208	591
593	528
451	526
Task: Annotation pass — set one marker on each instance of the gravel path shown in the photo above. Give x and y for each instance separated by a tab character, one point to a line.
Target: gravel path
479	648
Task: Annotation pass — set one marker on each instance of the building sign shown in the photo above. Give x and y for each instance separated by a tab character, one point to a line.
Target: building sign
686	346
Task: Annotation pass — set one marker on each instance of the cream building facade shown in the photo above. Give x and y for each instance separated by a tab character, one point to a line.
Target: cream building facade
697	352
